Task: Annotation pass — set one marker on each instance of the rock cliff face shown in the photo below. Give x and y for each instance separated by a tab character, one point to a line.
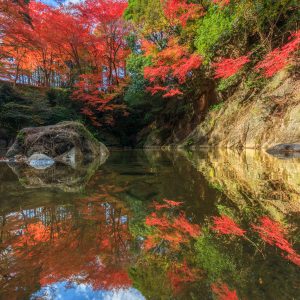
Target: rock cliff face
247	120
258	119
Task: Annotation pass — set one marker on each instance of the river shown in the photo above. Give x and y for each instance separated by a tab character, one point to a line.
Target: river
152	225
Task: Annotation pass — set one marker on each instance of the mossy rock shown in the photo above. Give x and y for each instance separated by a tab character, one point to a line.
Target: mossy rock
58	140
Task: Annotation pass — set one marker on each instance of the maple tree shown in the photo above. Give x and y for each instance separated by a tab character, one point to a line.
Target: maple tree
171	66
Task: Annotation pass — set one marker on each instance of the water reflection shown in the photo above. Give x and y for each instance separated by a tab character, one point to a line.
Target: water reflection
155	225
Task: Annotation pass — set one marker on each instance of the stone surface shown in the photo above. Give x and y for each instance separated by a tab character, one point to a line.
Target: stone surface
66	142
247	120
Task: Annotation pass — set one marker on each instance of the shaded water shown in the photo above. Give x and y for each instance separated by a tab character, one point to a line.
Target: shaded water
106	232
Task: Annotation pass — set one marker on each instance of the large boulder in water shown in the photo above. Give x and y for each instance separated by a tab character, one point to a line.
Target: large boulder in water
66	142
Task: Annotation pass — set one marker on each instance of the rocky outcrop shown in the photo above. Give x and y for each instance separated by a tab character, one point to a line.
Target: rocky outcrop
66	142
253	120
252	117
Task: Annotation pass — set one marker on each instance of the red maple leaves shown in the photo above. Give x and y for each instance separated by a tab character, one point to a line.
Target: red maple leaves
279	57
171	66
225	225
229	66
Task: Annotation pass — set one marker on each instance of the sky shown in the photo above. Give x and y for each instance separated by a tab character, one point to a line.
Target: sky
54	3
65	290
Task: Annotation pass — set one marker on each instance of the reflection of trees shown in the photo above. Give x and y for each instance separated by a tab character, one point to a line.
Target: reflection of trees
87	242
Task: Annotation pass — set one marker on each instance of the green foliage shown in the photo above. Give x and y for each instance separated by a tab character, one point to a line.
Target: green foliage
149	277
136	93
213	30
211	259
23	106
227	83
216	107
148	13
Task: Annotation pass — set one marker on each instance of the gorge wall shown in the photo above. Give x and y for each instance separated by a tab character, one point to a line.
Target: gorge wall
249	118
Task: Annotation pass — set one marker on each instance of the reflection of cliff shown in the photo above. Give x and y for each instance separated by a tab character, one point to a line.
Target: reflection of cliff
253	178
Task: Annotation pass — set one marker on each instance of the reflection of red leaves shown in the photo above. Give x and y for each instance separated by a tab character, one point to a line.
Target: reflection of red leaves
180	274
222	292
273	234
225	225
181	223
168	204
154	220
174	230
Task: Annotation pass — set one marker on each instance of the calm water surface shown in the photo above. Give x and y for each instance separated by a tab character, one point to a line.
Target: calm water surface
152	225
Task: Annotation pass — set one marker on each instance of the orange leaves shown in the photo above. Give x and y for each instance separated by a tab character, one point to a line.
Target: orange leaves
222	2
180	11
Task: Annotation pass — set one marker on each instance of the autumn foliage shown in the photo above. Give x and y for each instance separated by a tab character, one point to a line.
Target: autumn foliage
274	234
170	67
230	66
279	57
175	229
222	292
225	225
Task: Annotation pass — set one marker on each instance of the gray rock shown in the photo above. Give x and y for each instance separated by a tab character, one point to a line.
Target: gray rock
285	151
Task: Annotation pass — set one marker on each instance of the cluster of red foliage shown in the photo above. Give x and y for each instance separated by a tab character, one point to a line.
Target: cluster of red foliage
171	67
222	292
225	225
181	273
167	204
174	229
230	66
279	57
274	234
59	46
180	11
